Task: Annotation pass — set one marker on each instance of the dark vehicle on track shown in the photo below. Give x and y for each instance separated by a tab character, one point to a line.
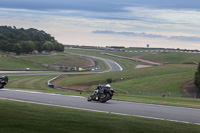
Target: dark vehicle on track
3	81
102	94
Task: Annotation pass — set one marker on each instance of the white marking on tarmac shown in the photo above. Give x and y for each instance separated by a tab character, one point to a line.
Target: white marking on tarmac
119	66
42	93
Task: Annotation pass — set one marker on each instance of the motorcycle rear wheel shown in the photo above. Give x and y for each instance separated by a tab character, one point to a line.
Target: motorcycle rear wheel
105	99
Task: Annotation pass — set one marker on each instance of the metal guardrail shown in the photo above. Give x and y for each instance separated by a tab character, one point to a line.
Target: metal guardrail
49	82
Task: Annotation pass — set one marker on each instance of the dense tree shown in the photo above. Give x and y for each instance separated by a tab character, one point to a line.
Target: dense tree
197	77
38	46
27	40
17	48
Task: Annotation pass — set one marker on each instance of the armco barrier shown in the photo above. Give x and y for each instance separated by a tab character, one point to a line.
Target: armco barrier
49	82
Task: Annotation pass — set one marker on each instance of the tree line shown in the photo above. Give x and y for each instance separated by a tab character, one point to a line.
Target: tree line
23	40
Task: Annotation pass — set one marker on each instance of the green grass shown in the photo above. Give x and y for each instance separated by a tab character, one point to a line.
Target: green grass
167	100
174	57
162	83
32	118
127	54
33	62
13	63
36	83
170	57
65	59
29	82
157	79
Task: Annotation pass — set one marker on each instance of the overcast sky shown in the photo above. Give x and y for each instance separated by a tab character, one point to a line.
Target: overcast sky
133	23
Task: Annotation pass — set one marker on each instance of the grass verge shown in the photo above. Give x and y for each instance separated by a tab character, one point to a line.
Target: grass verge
167	100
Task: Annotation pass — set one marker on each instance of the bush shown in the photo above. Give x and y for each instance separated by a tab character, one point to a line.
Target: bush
109	80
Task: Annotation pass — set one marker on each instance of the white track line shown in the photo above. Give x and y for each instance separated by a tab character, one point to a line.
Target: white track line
42	93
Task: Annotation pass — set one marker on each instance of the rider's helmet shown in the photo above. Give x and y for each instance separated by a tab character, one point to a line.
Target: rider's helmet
4	78
108	85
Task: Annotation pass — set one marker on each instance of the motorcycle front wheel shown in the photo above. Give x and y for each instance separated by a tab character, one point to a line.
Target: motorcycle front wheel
89	98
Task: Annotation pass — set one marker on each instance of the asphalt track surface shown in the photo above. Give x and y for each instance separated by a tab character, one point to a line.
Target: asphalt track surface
170	113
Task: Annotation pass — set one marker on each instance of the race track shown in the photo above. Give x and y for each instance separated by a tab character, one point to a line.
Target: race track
171	113
113	66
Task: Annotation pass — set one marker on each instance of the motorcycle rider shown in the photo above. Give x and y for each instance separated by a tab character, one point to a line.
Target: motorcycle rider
100	89
102	93
3	81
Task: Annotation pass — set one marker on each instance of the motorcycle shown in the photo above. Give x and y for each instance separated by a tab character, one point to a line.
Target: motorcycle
3	81
102	94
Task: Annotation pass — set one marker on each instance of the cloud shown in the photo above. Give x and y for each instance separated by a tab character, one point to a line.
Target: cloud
99	5
185	38
176	38
128	34
152	11
86	5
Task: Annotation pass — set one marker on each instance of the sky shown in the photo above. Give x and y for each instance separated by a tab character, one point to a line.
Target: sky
129	23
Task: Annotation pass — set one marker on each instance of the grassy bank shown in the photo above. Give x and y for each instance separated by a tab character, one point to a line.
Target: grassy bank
170	57
64	59
34	61
168	78
23	117
174	57
12	63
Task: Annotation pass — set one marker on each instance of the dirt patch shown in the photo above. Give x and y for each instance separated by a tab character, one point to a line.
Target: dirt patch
81	88
191	90
91	62
138	57
74	88
142	66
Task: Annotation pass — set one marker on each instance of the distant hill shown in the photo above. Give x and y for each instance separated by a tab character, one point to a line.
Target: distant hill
22	40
